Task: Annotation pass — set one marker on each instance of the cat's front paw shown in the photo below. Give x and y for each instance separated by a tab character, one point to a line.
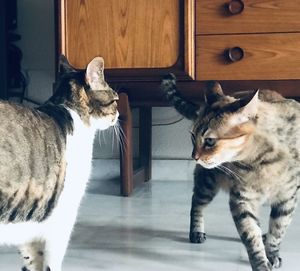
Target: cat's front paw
276	261
197	237
264	238
264	266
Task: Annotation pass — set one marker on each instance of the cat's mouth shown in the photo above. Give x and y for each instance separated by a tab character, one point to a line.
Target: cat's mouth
110	102
207	165
115	120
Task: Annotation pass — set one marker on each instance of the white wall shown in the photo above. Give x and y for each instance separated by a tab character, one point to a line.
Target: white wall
36	26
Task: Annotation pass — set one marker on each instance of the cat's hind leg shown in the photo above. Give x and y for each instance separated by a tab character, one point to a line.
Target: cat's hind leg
280	218
33	256
244	210
205	189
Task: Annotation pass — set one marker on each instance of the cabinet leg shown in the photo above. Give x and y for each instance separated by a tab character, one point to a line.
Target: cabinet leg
145	140
126	162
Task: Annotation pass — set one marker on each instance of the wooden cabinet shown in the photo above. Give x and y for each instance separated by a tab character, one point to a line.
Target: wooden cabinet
244	44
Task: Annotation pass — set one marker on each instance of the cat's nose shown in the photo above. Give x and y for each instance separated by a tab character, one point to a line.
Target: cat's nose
195	154
115	96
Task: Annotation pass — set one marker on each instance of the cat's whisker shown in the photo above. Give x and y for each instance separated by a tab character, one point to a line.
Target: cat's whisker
103	135
99	138
112	136
236	174
116	136
120	137
232	173
224	171
246	166
121	143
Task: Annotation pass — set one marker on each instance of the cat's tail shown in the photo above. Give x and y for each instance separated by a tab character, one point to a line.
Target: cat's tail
184	107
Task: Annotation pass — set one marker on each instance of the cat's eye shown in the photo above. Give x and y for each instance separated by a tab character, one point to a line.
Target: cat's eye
210	142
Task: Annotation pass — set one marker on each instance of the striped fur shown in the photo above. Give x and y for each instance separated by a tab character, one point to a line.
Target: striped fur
185	108
45	163
248	146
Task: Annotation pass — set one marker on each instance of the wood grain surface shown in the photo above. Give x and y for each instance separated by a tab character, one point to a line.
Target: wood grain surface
127	33
258	16
266	57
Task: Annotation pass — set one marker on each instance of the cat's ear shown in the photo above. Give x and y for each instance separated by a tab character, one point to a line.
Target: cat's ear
64	65
95	73
248	110
213	92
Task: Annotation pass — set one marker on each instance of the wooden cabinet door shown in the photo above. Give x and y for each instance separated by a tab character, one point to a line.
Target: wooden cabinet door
137	38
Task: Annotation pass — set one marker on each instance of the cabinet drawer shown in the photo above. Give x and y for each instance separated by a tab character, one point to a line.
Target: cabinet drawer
265	57
213	17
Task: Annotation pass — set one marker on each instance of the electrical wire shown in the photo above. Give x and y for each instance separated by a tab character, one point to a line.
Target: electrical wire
163	124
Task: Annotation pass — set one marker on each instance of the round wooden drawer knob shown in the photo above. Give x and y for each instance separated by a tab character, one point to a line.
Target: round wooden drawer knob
235	7
234	54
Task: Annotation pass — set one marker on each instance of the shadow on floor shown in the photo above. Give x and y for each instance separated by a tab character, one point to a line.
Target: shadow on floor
110	187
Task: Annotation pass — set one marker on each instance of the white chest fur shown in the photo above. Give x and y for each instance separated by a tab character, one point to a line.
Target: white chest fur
79	150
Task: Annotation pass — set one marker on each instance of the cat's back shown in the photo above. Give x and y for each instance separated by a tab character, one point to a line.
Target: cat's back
32	163
30	142
281	112
279	121
19	116
24	125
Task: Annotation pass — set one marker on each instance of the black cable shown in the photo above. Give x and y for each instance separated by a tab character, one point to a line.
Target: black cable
163	124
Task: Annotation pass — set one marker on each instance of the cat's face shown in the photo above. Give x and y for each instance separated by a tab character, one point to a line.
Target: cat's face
222	134
87	93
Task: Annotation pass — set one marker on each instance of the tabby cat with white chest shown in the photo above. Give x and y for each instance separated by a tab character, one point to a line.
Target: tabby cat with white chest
249	146
45	162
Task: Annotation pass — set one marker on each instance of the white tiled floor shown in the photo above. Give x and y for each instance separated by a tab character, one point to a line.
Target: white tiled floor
149	231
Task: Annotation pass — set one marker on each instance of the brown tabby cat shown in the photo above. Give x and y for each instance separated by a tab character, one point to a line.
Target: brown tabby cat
45	163
250	147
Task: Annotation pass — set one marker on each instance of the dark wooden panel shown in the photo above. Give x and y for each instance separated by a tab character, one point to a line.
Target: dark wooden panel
148	93
126	162
3	51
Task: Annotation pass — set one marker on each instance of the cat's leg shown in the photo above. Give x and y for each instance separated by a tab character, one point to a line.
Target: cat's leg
33	256
244	212
280	219
55	248
205	189
57	236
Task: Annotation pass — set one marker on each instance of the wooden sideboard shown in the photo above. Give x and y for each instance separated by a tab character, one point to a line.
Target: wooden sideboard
243	44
